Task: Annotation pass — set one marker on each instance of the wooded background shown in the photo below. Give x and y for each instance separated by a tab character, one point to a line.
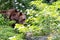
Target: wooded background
43	19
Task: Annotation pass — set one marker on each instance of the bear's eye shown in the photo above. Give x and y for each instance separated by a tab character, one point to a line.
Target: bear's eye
14	14
23	19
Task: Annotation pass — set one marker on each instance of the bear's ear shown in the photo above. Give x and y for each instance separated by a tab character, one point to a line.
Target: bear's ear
16	10
20	13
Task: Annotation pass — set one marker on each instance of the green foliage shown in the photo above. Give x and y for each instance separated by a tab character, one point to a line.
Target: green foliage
6	32
43	17
5	21
42	20
18	37
5	4
49	1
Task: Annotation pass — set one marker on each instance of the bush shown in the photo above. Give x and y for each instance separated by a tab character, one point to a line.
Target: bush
42	20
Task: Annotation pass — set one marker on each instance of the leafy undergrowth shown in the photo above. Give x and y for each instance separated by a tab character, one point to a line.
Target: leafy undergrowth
42	20
6	29
6	32
9	33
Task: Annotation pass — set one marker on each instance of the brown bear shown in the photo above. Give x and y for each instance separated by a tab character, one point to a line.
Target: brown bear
13	14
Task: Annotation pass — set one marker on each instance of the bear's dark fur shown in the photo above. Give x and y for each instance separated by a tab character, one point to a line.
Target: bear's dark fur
13	14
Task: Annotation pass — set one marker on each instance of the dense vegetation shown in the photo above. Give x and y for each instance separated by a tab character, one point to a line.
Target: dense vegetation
43	19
